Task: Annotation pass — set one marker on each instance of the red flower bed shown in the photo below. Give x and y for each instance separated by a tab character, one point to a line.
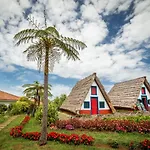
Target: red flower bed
17	131
31	135
107	125
145	145
70	139
52	136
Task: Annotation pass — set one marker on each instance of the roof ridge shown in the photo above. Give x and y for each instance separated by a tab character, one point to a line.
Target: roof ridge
93	74
9	93
130	80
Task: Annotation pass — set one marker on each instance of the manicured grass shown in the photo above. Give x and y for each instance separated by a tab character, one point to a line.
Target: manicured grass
101	139
3	118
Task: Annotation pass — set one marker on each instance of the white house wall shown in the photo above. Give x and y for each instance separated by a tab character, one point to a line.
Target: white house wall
147	93
100	98
6	103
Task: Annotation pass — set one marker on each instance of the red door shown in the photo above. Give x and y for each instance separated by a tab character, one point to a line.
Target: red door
94	106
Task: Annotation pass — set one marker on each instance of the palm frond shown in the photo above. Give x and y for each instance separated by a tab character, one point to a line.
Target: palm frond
25	40
27	85
53	31
34	51
73	42
25	33
68	50
41	33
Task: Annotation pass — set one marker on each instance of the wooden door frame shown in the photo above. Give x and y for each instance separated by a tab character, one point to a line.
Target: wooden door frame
145	96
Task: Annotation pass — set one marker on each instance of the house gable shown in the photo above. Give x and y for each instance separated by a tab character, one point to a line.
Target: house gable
144	93
100	98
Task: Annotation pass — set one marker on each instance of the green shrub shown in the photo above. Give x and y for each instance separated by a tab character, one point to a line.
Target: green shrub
3	108
114	144
52	113
59	100
137	118
20	107
25	99
10	106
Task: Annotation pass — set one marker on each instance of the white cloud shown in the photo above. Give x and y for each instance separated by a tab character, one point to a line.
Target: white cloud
6	67
89	12
116	61
15	90
59	89
108	7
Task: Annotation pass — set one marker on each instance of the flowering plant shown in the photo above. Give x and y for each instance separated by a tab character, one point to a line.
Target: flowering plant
69	127
145	145
106	125
17	131
52	136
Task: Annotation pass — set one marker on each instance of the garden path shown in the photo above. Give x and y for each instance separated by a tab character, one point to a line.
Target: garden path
3	125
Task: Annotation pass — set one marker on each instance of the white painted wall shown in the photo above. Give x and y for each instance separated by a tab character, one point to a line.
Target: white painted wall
6	103
100	98
147	93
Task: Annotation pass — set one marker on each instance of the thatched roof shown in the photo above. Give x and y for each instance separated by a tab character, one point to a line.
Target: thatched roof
79	92
4	96
125	94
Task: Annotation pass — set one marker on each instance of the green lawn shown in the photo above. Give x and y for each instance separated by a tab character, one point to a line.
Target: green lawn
101	139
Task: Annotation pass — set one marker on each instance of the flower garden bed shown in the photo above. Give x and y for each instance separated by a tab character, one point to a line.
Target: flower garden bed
52	136
106	125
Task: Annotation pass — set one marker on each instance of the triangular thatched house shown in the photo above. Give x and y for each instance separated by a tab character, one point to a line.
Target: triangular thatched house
7	98
132	94
88	96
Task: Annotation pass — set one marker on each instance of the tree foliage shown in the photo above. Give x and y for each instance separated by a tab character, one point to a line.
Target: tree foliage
52	113
59	100
20	107
36	91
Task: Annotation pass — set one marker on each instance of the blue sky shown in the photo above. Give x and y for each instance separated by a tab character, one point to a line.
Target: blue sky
116	33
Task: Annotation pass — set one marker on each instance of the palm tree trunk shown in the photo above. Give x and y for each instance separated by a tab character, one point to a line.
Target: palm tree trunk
39	100
43	138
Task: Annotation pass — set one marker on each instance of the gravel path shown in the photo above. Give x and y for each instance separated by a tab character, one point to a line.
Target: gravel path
3	125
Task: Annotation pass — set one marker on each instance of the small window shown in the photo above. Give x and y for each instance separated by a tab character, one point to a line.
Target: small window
101	104
86	104
143	90
148	101
93	90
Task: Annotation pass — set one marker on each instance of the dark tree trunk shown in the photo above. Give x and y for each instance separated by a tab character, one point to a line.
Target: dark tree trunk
39	100
43	138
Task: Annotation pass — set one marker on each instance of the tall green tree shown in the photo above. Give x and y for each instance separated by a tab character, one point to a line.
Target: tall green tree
36	91
59	100
46	47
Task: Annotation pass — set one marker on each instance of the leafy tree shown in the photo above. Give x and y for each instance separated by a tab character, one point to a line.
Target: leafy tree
52	113
20	107
24	99
46	47
36	91
59	100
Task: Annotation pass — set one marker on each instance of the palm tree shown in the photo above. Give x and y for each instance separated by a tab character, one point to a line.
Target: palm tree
46	47
36	91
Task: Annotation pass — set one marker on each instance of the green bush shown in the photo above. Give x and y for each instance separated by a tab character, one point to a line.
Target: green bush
113	144
59	100
3	108
137	118
52	113
10	106
20	107
25	99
